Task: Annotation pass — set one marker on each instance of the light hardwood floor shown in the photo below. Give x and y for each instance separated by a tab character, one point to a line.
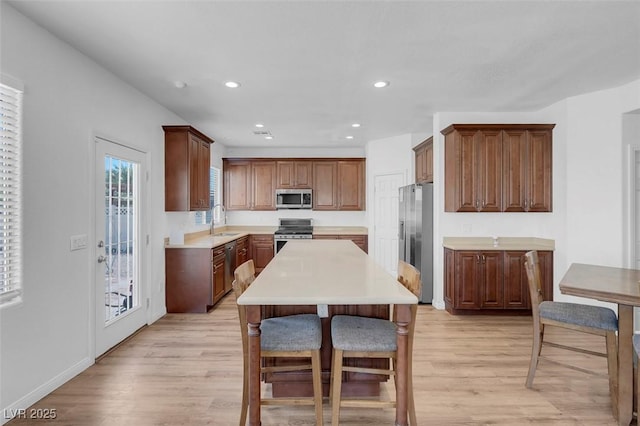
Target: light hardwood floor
185	369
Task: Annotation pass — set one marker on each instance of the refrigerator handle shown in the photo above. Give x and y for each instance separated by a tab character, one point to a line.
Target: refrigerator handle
401	230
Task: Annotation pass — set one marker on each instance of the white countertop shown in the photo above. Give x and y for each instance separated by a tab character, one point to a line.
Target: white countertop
324	272
504	243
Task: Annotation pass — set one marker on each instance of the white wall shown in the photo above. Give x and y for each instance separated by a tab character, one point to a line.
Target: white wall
68	100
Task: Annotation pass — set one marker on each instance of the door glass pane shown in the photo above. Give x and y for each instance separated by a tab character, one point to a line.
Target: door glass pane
120	244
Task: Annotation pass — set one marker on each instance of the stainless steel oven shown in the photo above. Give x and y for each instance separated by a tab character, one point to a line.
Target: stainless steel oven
292	229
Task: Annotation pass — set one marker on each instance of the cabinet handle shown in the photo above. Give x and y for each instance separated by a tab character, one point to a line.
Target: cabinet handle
526	204
484	259
477	258
477	204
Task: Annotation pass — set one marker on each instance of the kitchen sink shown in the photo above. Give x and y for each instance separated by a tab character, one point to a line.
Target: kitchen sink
226	234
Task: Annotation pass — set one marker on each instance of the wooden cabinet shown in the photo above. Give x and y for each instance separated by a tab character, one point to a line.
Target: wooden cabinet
361	241
491	281
498	167
339	184
424	161
249	185
527	167
220	287
261	250
294	174
194	278
242	250
325	185
186	169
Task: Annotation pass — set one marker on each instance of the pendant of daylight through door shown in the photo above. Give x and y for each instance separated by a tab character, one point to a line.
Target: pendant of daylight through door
119	247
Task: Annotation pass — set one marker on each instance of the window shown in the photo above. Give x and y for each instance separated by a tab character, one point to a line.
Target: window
10	196
215	199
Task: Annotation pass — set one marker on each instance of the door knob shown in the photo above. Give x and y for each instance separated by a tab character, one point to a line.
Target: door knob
102	259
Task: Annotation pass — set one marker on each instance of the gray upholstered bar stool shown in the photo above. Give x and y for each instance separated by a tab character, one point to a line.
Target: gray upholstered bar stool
293	336
585	318
363	337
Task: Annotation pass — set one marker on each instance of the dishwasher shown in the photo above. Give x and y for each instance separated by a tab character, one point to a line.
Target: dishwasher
229	264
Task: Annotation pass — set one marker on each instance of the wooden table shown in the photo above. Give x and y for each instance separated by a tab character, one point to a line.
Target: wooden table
325	272
616	285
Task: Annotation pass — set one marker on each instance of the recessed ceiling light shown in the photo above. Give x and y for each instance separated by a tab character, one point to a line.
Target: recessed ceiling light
380	84
232	84
259	125
355	125
349	137
268	137
180	84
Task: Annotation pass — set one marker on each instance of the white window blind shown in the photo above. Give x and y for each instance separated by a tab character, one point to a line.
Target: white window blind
10	196
214	198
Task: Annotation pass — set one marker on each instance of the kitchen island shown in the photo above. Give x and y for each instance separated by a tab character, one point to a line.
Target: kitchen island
332	277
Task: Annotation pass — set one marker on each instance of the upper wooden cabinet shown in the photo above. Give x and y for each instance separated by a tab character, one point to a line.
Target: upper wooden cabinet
249	184
339	184
294	174
498	167
186	169
424	161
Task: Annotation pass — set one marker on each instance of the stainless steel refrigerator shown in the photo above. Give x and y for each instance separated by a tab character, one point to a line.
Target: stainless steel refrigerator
416	233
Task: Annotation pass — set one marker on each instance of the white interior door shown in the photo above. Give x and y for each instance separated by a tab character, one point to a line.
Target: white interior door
119	207
385	216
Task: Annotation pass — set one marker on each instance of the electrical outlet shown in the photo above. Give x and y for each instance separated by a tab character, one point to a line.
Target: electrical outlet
323	311
78	242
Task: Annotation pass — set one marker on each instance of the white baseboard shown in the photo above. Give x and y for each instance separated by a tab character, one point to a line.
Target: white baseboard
438	304
45	389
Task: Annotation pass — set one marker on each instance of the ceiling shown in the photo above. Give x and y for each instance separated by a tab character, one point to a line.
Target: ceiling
307	68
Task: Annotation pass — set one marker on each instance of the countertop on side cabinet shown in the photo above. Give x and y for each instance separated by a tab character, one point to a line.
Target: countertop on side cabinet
203	239
340	230
504	243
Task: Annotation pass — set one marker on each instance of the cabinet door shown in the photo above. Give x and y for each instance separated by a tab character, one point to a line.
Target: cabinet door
467	275
490	279
204	162
421	173
294	174
219	289
237	185
545	258
261	251
242	250
516	286
449	278
461	187
428	163
195	201
325	185
351	185
489	167
514	159
539	171
263	176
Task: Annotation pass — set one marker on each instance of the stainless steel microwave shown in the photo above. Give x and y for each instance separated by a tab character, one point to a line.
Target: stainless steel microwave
293	199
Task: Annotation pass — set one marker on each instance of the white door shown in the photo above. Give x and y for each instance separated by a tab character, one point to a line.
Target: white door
119	207
385	216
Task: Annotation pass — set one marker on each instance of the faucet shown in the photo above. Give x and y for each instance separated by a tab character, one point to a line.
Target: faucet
223	216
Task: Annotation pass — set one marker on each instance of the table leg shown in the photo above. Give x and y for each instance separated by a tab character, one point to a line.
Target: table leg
253	320
625	364
402	332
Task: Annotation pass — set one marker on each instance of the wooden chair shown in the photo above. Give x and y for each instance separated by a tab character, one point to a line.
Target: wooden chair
294	336
585	318
361	337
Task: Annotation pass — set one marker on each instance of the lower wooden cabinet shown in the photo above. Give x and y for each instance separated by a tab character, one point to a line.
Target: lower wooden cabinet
491	281
361	241
261	250
242	250
194	278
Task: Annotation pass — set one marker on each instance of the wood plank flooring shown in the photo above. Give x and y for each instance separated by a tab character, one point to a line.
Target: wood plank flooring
186	369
